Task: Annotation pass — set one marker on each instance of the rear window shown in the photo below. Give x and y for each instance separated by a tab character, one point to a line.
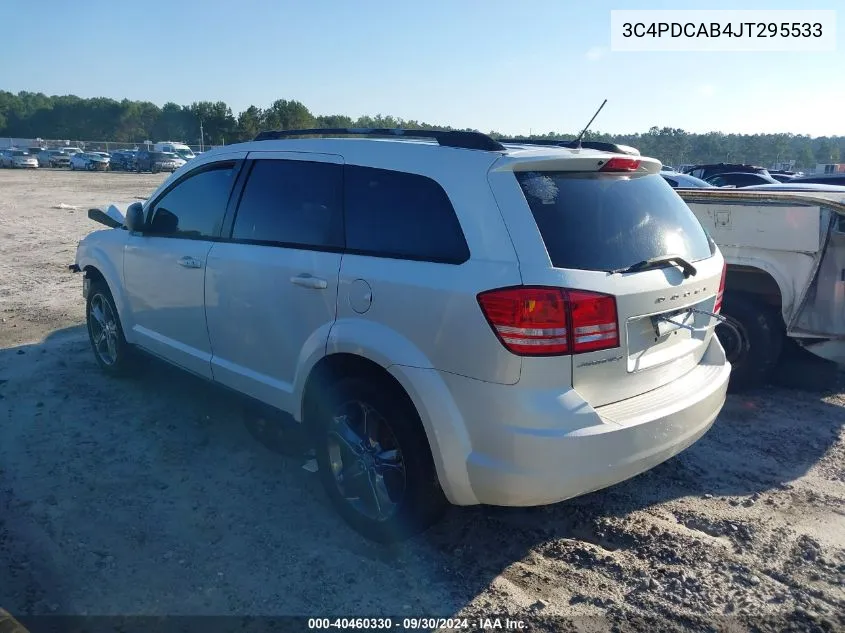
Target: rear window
609	221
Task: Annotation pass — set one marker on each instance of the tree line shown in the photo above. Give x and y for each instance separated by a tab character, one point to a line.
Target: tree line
36	115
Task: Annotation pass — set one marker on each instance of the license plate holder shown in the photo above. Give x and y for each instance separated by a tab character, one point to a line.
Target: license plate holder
662	327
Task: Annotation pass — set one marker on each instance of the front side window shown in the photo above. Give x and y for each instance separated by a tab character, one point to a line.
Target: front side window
194	208
292	203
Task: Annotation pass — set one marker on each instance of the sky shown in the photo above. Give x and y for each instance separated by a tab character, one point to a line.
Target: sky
503	65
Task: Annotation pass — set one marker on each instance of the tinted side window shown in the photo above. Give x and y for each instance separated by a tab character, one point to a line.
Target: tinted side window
401	215
291	202
194	208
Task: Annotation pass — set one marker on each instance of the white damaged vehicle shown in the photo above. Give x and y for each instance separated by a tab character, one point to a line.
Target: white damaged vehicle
451	318
785	250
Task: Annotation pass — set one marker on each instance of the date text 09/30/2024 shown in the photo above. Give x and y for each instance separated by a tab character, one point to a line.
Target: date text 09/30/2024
414	624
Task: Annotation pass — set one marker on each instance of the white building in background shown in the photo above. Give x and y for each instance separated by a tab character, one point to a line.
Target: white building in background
788	165
830	168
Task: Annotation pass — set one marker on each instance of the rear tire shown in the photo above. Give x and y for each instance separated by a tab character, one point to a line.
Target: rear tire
390	491
755	352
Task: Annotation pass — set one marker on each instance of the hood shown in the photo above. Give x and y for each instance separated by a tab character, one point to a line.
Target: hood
109	215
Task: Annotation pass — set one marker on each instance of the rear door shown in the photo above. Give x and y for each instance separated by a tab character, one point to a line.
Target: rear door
271	285
580	230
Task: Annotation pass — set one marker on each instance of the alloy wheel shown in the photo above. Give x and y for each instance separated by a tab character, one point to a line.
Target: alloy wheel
104	332
366	461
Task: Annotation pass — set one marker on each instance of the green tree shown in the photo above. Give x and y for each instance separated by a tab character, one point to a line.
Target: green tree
250	123
289	115
805	158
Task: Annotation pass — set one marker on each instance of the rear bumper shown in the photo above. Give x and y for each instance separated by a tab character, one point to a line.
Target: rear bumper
530	447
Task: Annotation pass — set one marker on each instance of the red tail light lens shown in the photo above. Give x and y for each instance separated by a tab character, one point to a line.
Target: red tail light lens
720	295
551	321
621	164
593	321
529	321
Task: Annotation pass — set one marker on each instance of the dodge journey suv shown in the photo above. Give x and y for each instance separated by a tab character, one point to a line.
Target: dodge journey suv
452	319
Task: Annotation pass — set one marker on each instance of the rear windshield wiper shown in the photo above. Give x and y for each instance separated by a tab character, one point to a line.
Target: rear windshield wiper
658	262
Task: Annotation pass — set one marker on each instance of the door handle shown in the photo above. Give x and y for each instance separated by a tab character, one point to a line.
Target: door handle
307	281
189	262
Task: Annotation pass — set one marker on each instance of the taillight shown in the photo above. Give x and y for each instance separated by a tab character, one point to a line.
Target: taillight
621	164
593	321
717	307
529	321
538	321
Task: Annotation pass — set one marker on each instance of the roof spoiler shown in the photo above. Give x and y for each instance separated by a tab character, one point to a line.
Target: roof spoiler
447	138
613	148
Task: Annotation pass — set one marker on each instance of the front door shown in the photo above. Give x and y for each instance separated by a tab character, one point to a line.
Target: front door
164	267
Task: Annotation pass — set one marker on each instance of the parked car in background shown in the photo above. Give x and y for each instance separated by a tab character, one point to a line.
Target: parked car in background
740	179
52	158
70	150
155	162
20	159
494	341
89	162
677	180
821	179
782	176
4	153
705	171
123	160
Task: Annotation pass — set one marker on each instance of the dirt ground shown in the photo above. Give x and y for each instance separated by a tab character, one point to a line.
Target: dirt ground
150	495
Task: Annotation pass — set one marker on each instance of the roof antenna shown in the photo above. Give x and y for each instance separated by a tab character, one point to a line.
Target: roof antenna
577	142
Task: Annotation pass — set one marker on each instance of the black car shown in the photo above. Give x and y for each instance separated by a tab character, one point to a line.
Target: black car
740	179
821	179
705	171
123	160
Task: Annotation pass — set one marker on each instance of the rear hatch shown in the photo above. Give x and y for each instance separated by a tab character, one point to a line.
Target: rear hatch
621	327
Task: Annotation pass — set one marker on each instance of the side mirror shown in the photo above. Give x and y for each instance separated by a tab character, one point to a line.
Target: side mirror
135	217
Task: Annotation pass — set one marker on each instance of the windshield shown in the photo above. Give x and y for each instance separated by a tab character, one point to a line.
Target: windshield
608	221
185	153
19	152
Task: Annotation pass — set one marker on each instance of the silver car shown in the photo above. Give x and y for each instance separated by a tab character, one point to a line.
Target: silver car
453	319
20	159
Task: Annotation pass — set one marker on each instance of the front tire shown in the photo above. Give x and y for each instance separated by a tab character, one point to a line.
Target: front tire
754	349
374	460
105	333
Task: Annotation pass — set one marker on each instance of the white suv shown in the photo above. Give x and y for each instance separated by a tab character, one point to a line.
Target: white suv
452	318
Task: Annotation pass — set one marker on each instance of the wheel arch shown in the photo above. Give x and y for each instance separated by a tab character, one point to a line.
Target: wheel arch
447	440
101	270
761	279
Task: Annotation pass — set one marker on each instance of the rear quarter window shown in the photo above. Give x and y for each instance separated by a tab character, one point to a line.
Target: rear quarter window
611	221
400	215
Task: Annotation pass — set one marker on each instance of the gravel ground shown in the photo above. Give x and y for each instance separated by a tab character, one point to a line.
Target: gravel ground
151	496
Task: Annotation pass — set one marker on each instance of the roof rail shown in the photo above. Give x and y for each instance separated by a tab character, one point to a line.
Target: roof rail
447	138
598	145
